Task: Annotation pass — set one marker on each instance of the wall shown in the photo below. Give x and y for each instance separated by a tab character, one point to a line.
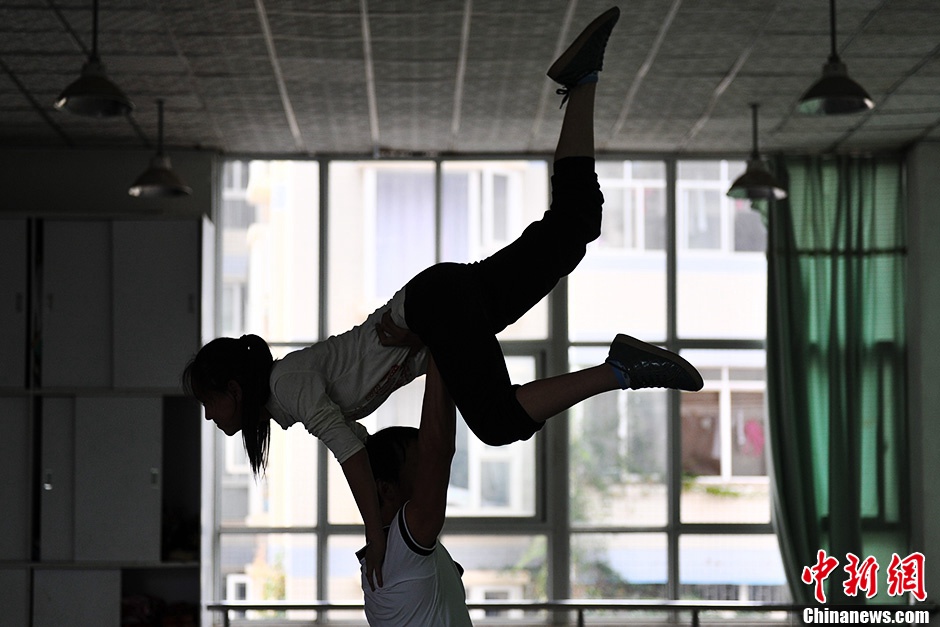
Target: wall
83	183
924	359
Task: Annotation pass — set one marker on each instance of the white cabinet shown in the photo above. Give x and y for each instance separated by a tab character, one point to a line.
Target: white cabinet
101	479
57	480
127	291
15	481
14	597
156	301
13	305
76	303
107	312
118	474
76	597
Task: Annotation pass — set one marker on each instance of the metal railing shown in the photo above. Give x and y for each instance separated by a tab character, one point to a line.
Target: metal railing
582	606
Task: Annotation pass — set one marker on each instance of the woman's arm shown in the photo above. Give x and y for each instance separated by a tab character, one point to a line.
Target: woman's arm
359	476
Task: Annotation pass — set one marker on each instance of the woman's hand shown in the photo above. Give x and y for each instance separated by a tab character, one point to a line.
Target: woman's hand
375	557
390	334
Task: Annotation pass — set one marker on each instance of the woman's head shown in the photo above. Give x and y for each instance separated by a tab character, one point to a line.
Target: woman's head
229	377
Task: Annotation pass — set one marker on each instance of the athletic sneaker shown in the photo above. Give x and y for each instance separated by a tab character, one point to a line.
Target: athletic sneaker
585	56
643	365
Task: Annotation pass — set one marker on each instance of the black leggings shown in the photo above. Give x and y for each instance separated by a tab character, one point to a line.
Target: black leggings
458	308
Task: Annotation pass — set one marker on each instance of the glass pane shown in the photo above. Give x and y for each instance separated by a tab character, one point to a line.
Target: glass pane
700	215
618	566
485	480
345	582
270	249
501	567
618	455
698	170
724	457
748	452
732	568
721	277
627	264
381	234
615	221
485	205
750	232
279	498
269	567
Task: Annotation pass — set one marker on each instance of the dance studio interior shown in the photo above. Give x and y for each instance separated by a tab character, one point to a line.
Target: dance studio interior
175	171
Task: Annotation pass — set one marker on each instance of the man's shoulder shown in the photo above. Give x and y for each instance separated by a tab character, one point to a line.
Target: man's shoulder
401	522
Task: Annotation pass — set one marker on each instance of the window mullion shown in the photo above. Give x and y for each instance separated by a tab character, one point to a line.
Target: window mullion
674	429
555	476
323	331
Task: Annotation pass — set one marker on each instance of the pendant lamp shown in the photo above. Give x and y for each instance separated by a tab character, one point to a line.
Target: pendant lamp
159	180
757	183
835	93
93	94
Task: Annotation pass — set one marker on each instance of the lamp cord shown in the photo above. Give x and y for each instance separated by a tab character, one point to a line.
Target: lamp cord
160	127
94	30
833	55
754	152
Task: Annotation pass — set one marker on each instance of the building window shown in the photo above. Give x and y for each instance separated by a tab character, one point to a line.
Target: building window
627	469
667	492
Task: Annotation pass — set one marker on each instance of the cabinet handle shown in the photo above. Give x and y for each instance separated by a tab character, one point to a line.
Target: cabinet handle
47	484
155	478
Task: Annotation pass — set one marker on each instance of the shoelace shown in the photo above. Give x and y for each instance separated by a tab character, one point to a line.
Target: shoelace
562	91
647	374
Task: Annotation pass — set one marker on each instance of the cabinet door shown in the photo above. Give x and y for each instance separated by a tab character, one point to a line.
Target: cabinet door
57	480
76	304
118	457
15	503
76	597
13	293
156	301
14	596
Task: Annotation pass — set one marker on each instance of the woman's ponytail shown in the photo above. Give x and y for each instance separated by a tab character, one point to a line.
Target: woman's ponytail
256	429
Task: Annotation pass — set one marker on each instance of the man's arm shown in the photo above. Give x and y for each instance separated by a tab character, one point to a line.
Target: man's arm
427	508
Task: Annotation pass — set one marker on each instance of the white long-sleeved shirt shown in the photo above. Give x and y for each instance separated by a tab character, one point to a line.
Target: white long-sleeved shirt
332	384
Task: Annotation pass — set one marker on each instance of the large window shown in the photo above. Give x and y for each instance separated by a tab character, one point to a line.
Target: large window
645	494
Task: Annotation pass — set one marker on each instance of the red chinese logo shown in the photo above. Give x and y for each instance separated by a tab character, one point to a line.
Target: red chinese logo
907	575
904	575
862	576
817	574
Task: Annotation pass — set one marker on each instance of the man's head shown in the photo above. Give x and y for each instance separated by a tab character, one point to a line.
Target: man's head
393	453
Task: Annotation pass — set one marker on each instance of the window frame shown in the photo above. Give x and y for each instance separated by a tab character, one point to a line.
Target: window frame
551	516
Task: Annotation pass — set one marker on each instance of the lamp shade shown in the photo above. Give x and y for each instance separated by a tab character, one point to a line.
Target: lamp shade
92	94
757	183
159	181
835	93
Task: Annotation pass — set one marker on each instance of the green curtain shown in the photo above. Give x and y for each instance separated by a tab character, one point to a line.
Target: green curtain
836	366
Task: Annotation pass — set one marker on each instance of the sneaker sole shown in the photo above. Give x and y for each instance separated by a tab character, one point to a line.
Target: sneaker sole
696	377
562	62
